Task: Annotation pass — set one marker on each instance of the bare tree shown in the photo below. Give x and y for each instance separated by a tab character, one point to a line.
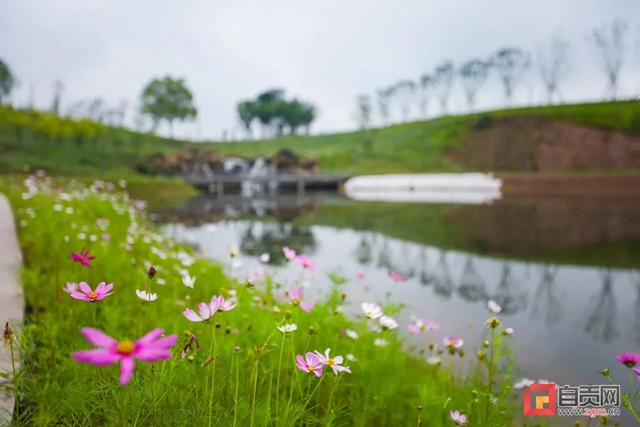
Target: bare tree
552	65
511	63
426	85
638	57
609	41
384	99
443	80
58	88
474	74
363	114
405	92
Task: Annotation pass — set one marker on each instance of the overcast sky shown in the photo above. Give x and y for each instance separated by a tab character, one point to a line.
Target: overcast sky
326	52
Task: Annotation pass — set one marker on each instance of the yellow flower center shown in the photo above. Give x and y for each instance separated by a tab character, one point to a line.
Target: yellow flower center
310	368
331	362
369	313
423	327
296	302
93	295
125	347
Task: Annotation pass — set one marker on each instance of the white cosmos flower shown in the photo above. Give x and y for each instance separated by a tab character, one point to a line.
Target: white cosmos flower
265	258
143	295
493	306
69	210
371	310
212	228
433	360
351	358
82	236
189	281
160	281
334	363
93	237
352	334
57	207
388	322
236	264
381	342
288	328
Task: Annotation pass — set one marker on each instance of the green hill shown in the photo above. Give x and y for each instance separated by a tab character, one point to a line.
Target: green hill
67	146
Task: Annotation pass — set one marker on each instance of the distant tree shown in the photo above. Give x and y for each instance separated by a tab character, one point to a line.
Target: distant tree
553	66
511	63
363	111
443	80
427	82
474	74
246	114
168	99
309	114
296	115
7	81
58	88
384	99
609	41
404	92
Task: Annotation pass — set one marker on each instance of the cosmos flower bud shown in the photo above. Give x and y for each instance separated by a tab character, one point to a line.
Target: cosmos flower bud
218	325
288	314
236	348
312	330
228	330
481	355
486	344
493	322
190	358
605	372
432	345
151	273
250	283
7	335
461	353
344	295
419	407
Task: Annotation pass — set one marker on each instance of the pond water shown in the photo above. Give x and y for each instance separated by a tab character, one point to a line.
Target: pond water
565	270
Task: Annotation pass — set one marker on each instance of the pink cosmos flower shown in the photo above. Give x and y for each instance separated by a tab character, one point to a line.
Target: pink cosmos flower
205	310
360	275
101	292
296	296
83	257
629	359
192	339
310	364
637	372
334	363
225	305
305	262
289	253
453	343
420	325
149	348
397	277
70	287
106	237
458	417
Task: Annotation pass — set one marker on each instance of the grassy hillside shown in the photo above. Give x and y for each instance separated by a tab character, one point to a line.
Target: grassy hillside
59	145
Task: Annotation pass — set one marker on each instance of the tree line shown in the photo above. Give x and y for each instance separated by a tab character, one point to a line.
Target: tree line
274	114
511	64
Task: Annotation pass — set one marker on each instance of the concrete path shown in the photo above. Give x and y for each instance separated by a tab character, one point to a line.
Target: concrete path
11	298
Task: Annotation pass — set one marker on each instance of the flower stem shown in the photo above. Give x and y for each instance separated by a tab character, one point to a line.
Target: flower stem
213	371
95	317
311	395
279	369
490	379
235	401
255	386
14	378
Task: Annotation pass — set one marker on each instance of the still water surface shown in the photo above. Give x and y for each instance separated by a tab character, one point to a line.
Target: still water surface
566	271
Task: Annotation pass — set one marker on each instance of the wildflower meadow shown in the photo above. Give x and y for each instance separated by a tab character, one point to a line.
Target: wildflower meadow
123	326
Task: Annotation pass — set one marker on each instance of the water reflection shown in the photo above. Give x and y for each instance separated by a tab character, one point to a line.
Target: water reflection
472	287
601	324
546	303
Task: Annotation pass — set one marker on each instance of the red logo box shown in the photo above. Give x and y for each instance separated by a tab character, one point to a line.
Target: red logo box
545	404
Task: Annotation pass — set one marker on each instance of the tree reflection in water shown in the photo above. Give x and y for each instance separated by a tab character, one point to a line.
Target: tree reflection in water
442	280
636	315
601	324
546	299
509	294
364	252
472	286
269	237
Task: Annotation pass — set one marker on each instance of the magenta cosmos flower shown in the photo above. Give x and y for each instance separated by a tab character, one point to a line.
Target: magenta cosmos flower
420	325
83	257
397	277
149	348
310	364
458	417
637	372
296	296
453	343
101	292
207	310
289	253
629	359
305	262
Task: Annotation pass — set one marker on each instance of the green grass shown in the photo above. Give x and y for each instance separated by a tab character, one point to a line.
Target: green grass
419	146
248	385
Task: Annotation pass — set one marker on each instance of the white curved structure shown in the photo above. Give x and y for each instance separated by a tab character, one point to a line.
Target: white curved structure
473	188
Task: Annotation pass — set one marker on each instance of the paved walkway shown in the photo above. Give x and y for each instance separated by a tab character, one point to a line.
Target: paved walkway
11	300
